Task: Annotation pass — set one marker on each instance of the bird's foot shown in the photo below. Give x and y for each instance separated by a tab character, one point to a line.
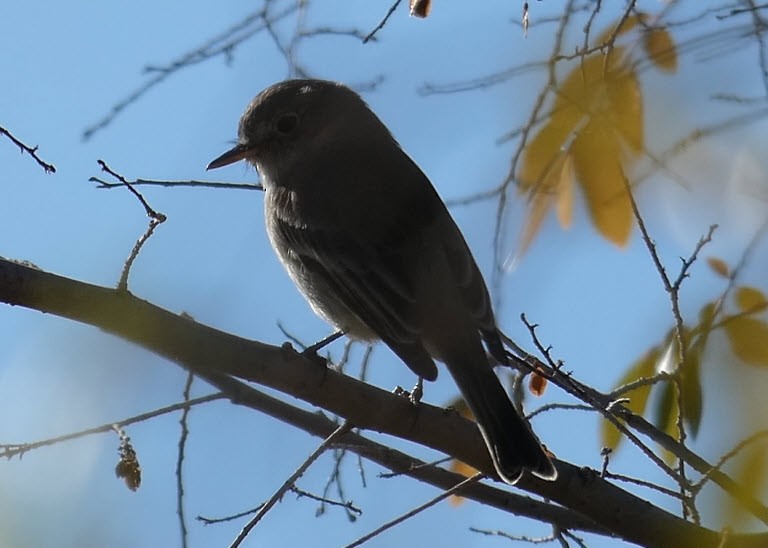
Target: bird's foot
414	396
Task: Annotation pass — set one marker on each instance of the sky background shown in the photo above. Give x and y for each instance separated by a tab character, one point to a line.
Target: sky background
65	65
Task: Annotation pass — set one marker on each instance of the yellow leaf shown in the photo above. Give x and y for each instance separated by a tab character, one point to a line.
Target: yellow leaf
597	166
751	474
660	48
565	193
719	266
665	417
540	204
595	130
693	398
749	339
625	105
543	153
556	186
638	398
629	23
460	406
750	299
465	470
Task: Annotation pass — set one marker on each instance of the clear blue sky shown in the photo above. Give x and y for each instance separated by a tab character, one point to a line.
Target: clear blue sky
66	64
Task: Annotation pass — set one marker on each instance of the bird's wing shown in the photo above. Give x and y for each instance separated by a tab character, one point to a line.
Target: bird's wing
472	287
371	282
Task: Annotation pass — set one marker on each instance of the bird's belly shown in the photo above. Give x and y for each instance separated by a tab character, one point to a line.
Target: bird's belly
320	296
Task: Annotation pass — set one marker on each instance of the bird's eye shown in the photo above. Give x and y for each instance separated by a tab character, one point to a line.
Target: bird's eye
286	123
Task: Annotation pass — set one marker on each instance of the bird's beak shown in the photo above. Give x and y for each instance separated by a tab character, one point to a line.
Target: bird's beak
234	154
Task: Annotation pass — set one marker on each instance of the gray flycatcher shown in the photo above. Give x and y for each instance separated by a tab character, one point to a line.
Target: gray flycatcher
368	241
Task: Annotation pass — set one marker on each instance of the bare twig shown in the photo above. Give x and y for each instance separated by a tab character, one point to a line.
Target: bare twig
10	450
328	442
221	45
180	461
194	184
347	505
383	22
32	151
445	494
155	218
151	213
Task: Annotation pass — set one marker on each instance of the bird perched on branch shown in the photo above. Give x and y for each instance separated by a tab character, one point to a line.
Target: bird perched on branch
370	244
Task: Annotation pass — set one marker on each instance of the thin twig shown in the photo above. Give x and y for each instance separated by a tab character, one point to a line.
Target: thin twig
221	45
445	494
180	461
267	506
383	21
553	406
347	505
151	213
194	184
10	450
643	483
32	151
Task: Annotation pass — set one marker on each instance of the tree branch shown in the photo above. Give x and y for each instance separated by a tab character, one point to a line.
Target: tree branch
217	356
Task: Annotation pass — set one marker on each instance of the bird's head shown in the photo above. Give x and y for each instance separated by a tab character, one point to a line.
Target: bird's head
297	119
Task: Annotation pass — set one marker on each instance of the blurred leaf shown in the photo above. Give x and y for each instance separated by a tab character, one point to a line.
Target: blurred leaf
751	474
565	193
542	153
602	180
748	338
750	299
460	406
690	381
665	414
596	129
465	470
719	266
557	186
629	23
660	48
693	396
706	320
638	398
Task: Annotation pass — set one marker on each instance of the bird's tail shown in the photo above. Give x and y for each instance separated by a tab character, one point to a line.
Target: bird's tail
510	441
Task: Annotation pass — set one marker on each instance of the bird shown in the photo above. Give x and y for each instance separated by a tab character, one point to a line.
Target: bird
370	244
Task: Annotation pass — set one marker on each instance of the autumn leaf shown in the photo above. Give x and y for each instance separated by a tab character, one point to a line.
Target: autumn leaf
719	267
665	414
750	473
595	154
660	48
690	376
460	406
690	383
748	338
594	133
537	384
750	299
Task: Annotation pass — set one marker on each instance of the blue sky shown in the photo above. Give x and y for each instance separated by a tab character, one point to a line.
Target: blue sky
65	65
